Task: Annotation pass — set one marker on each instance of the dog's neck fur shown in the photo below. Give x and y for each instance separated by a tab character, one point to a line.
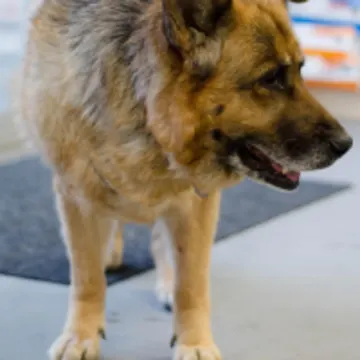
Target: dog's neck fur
126	36
126	111
139	50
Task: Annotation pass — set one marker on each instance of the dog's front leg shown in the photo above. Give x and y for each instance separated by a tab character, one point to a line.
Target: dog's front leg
85	234
193	227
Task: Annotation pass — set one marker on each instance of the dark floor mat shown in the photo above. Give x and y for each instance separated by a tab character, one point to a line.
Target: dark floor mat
30	245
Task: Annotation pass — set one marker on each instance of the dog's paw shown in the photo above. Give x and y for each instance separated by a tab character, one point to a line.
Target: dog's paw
165	294
73	345
114	260
183	352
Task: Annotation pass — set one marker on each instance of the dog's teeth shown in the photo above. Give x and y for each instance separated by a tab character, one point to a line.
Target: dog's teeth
285	170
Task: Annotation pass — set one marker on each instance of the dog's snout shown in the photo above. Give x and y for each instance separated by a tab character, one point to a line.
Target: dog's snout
341	145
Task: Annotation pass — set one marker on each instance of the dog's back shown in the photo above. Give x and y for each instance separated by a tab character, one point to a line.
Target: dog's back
78	49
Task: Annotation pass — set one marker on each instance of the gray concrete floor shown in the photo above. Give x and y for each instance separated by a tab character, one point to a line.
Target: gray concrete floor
286	290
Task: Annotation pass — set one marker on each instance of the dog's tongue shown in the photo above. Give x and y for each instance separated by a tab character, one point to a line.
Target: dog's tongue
292	175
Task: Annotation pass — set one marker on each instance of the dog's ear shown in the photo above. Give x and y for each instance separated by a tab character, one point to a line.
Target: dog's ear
187	23
172	125
191	28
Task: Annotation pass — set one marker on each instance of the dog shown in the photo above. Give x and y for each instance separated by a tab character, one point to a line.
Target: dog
145	110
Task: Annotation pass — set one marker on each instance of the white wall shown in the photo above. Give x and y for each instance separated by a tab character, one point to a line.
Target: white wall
14	15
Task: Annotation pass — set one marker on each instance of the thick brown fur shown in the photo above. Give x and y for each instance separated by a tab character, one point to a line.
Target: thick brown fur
140	107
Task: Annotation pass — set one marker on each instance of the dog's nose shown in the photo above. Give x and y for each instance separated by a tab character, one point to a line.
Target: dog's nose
340	146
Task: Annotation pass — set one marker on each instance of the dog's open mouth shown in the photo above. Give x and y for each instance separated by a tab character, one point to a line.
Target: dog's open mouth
269	170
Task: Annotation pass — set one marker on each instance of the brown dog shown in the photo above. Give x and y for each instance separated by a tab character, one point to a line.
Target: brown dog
147	109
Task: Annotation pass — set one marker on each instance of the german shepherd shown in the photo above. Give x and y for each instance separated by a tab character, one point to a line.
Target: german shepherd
145	110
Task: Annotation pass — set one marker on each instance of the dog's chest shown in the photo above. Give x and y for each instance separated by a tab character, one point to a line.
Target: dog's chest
136	199
139	208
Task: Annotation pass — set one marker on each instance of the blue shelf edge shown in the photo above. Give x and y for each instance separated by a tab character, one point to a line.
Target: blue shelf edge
319	21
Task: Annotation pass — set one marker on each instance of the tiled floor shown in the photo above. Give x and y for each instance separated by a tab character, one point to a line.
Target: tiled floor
286	290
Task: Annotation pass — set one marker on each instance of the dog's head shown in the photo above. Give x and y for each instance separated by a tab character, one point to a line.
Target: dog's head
229	100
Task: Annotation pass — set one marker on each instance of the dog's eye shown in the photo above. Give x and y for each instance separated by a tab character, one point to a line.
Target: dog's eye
275	79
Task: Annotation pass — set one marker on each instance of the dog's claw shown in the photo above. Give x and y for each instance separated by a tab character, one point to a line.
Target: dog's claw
173	341
102	334
168	307
83	355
